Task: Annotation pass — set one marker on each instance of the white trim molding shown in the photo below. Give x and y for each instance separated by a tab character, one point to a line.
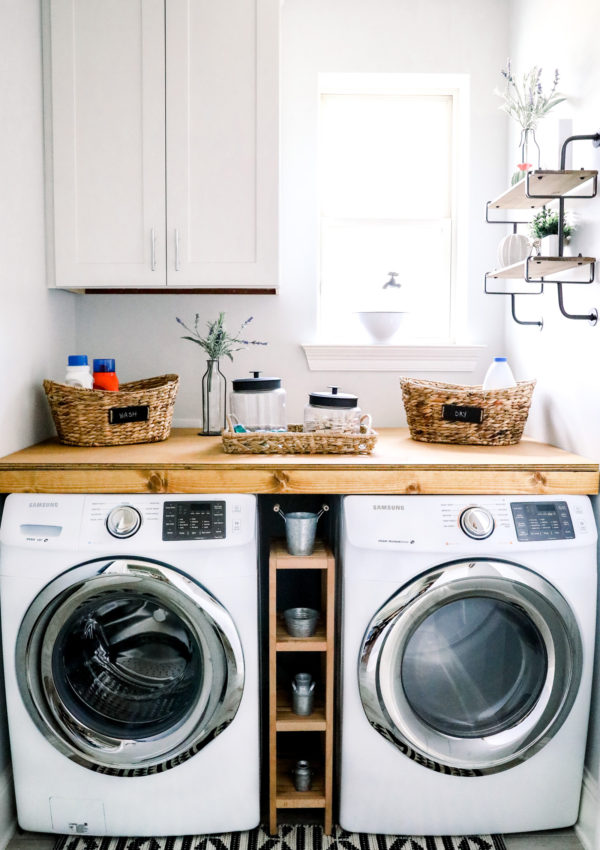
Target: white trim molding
587	823
393	358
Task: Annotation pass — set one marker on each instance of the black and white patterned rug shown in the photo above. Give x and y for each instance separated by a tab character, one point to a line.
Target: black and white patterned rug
306	837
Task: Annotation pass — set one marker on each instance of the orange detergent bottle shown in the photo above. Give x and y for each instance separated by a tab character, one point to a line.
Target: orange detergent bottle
105	377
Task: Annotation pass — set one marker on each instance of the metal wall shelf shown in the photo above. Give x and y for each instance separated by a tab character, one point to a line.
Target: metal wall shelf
539	188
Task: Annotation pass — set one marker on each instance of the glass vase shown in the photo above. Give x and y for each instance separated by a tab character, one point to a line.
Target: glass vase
528	144
214	394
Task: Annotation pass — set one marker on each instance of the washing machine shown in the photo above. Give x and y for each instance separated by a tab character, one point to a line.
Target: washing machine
467	652
130	639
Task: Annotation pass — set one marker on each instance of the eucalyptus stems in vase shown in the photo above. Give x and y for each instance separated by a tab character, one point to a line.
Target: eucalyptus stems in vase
217	343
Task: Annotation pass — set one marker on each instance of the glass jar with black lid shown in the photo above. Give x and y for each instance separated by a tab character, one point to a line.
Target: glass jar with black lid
258	404
332	411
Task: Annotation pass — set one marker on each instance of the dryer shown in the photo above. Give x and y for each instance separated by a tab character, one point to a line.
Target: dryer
130	637
467	653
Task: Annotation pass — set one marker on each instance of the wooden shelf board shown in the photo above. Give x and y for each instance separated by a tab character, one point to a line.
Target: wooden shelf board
286	643
541	267
187	463
551	182
320	559
287	721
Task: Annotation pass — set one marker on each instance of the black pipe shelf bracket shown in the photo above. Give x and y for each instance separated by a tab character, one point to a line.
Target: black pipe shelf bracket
539	188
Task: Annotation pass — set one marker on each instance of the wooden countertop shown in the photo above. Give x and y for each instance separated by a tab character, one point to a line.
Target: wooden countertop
187	463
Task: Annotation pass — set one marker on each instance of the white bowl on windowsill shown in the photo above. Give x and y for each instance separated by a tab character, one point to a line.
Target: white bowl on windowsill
382	325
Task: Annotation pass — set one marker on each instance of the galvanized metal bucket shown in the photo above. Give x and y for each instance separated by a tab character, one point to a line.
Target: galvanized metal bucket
300	529
301	622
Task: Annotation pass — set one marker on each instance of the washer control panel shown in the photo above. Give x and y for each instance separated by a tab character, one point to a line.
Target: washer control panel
542	521
193	520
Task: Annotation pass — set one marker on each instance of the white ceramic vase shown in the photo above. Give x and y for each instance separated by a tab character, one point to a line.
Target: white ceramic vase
512	249
549	246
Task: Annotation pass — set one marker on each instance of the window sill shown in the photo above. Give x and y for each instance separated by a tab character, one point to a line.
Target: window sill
393	358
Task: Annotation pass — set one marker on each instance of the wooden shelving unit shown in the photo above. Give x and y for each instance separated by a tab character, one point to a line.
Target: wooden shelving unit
552	183
282	720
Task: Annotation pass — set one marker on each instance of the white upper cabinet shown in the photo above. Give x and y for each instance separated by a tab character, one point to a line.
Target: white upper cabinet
162	143
222	142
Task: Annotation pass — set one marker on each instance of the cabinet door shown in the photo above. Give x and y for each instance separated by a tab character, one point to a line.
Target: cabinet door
222	143
105	136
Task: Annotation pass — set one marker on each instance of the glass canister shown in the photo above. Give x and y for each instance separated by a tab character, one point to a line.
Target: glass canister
258	403
333	411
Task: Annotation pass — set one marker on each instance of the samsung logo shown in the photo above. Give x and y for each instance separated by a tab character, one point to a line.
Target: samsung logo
388	507
43	504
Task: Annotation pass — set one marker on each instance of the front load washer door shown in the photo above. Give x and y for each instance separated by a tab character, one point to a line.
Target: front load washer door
128	666
471	667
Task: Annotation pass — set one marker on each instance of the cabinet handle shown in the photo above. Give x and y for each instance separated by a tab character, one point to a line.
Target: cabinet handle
177	265
153	249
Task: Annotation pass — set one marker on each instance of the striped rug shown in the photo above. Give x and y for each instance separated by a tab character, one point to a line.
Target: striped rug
305	837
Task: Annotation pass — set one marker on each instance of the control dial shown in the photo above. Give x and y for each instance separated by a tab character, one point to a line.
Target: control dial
477	522
123	521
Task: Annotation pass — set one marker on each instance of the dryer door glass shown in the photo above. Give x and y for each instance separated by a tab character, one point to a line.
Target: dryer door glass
471	667
129	666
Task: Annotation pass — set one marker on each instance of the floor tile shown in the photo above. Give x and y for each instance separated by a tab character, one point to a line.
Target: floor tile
556	839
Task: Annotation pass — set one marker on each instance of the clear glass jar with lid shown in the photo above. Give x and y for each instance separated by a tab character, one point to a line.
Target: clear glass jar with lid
333	411
258	404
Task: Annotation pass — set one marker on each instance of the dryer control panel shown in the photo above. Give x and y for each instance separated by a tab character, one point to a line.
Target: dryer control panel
193	520
542	521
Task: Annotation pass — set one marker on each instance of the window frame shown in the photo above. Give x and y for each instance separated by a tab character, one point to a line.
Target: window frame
457	87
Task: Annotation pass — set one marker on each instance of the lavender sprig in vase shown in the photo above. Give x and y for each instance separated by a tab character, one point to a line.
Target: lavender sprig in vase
217	343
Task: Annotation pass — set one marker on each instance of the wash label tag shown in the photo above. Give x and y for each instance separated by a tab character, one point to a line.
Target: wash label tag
461	413
133	413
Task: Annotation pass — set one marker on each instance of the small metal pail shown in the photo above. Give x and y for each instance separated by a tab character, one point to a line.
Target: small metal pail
300	529
301	622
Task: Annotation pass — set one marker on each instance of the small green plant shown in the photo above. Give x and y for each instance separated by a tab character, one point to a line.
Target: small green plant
545	223
218	342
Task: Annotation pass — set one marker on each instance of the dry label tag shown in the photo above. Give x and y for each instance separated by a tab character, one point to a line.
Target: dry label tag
460	413
133	413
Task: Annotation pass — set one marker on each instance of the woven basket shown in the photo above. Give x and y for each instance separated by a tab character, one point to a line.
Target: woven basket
140	412
295	441
451	413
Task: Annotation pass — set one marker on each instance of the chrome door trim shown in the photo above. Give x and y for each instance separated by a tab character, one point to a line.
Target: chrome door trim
389	712
205	617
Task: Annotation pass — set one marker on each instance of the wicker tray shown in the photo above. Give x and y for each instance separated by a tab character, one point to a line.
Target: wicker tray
295	441
140	412
445	413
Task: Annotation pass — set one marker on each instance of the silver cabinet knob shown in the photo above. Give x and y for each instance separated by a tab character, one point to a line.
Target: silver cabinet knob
123	521
477	523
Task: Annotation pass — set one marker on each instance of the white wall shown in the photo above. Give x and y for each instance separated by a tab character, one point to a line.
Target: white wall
462	36
565	357
37	328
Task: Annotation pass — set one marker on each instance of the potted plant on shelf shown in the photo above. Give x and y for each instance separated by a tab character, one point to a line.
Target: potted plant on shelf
217	343
544	230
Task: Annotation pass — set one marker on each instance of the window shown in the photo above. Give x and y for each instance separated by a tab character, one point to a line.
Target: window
389	155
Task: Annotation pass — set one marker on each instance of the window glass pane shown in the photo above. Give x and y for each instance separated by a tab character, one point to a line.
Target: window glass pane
386	156
386	177
456	685
126	665
357	258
